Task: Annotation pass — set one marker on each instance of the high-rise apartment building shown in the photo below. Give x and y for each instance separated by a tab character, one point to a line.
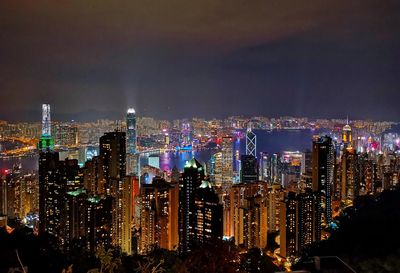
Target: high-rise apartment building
323	162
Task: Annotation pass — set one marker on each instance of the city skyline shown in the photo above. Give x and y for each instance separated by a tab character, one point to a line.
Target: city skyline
199	136
323	56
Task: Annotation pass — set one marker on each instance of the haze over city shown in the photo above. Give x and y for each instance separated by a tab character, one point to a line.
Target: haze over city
205	136
179	59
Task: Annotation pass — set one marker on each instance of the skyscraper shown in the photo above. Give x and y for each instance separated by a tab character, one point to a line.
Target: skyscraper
51	194
306	218
193	175
113	158
249	169
323	162
207	213
347	137
289	227
349	176
51	187
249	214
46	141
159	216
3	199
299	223
131	143
227	163
131	131
251	142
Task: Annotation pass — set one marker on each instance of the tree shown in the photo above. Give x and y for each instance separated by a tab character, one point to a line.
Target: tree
108	264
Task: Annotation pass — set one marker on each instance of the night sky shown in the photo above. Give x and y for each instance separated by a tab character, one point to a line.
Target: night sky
211	58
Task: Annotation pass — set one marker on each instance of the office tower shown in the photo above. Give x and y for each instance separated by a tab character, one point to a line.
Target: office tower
46	141
131	142
51	194
193	175
276	168
131	131
113	157
265	167
323	162
347	137
159	216
289	228
215	171
251	142
306	163
349	176
208	214
249	214
249	170
291	169
227	163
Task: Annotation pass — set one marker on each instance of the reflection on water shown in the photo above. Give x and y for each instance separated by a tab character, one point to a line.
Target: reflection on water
267	141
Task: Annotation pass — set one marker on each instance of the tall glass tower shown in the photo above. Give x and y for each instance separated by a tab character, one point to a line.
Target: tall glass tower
131	131
46	141
132	159
251	142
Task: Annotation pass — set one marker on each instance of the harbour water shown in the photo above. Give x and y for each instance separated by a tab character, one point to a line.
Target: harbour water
267	141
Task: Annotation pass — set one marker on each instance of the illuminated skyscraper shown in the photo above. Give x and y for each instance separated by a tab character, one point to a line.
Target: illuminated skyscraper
275	196
251	142
51	194
131	143
227	163
289	227
249	168
347	137
349	176
46	141
46	120
249	214
159	216
299	223
207	213
3	198
193	175
131	131
323	162
76	215
113	158
306	217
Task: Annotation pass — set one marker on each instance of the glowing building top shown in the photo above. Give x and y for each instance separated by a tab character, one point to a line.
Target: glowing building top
131	131
347	136
46	120
46	142
251	142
